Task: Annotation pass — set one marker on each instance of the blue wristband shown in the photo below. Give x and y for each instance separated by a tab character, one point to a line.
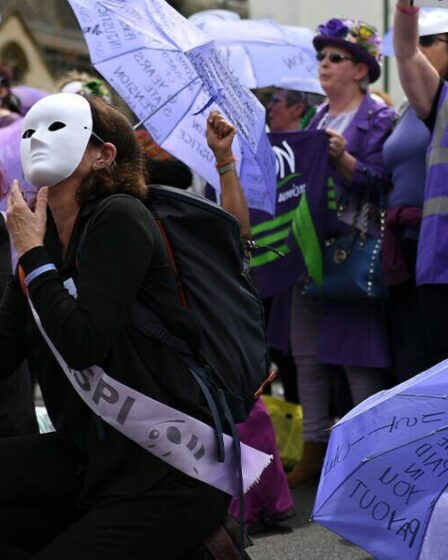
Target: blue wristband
37	272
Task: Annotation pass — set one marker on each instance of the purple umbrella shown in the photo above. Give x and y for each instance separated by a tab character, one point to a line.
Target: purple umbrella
10	166
28	96
172	75
384	484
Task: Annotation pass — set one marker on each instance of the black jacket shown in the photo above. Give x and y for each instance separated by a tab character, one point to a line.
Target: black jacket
17	416
122	258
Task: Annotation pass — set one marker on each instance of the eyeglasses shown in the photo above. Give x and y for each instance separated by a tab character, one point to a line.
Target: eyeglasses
276	100
429	40
333	57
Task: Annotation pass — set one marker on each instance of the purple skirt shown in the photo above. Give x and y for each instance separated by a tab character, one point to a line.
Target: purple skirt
354	334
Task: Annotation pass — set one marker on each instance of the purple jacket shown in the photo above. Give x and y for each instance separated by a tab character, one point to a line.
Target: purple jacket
353	333
365	137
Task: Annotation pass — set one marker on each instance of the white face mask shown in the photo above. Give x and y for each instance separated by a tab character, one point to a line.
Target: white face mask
55	134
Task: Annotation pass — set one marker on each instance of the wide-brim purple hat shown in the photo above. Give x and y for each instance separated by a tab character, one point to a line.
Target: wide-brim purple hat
357	37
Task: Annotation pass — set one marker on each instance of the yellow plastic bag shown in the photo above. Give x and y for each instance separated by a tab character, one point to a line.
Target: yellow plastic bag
288	423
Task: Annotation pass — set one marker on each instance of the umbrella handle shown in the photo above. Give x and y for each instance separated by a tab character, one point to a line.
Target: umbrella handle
212	99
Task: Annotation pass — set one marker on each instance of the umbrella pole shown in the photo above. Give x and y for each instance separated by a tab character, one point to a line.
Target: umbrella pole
165	103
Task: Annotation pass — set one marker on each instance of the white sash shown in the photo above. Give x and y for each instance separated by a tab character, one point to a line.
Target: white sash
180	440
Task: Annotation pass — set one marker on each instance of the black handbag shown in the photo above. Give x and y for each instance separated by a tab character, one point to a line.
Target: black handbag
352	266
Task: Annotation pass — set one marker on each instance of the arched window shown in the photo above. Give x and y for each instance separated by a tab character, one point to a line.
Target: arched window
13	56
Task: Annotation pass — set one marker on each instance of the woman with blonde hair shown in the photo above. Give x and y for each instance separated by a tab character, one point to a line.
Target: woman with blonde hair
350	333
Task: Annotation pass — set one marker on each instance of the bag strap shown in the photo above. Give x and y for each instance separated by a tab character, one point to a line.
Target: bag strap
147	322
236	444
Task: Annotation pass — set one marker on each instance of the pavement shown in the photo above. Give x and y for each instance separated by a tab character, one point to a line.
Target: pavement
300	539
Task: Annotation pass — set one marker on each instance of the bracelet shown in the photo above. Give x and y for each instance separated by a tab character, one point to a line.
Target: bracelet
408	10
225	162
226	168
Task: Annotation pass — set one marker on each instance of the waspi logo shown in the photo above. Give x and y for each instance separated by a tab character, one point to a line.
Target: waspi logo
285	160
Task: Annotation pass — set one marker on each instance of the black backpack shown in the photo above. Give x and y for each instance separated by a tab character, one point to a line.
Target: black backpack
212	275
207	256
211	270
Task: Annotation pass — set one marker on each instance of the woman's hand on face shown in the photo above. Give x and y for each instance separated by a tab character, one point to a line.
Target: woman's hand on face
337	144
26	228
220	134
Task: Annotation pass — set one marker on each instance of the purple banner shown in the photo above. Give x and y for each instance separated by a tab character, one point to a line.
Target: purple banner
301	164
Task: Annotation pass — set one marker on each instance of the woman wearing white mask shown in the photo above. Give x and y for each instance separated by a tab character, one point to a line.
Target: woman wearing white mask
87	491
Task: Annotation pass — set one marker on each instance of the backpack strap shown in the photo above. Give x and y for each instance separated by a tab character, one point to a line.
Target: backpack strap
236	444
149	324
174	269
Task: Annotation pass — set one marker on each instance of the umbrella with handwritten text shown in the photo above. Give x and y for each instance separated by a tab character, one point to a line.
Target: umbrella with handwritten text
431	21
264	53
384	484
171	75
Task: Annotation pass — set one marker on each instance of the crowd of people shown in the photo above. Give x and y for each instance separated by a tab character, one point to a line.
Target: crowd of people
88	490
348	349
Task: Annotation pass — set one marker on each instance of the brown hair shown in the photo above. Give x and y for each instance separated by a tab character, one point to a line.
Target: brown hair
127	174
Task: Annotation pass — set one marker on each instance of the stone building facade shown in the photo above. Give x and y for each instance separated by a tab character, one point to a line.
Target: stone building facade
40	40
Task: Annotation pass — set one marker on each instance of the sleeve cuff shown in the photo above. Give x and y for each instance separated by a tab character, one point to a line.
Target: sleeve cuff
35	263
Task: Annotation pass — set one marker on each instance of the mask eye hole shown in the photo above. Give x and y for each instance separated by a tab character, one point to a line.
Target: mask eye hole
28	133
57	125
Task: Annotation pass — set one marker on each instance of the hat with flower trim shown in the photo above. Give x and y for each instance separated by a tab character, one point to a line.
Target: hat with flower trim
357	37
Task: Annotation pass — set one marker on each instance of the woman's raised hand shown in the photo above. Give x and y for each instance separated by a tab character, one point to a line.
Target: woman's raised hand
220	134
26	228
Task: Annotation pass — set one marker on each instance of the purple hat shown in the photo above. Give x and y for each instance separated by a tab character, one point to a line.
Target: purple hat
358	38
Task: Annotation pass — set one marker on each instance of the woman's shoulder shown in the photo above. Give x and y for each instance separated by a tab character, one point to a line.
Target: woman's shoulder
123	204
373	115
379	108
123	209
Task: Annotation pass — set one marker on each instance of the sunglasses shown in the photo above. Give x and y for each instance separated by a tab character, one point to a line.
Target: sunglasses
428	40
276	100
333	57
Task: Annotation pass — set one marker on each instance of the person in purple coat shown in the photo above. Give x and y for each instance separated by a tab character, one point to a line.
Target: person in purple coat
428	95
349	334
